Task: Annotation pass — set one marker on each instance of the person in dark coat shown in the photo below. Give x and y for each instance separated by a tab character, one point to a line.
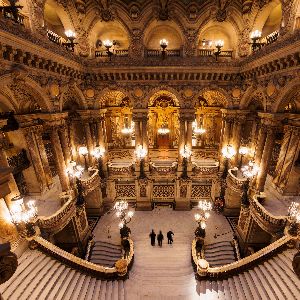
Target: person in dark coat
152	236
160	238
170	237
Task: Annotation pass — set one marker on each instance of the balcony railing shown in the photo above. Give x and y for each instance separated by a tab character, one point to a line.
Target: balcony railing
119	53
210	52
55	38
17	18
158	53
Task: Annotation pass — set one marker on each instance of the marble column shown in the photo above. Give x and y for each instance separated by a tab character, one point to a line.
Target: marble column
288	155
36	162
237	138
72	140
260	144
138	138
145	133
181	142
63	134
265	160
189	133
89	141
59	160
43	156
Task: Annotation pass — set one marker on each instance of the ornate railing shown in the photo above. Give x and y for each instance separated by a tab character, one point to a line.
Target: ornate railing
118	53
55	38
163	168
210	52
91	182
121	169
205	170
234	180
158	52
61	218
243	264
266	220
79	263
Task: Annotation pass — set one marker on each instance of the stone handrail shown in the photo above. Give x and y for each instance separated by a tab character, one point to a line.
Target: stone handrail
236	181
91	182
58	220
266	216
79	263
245	263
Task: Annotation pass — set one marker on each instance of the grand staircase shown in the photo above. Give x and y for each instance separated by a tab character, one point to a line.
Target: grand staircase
219	254
105	253
157	273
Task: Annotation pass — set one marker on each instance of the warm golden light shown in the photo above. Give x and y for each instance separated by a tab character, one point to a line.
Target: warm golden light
83	150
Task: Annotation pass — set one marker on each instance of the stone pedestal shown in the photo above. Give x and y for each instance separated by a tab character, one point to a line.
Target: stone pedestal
143	199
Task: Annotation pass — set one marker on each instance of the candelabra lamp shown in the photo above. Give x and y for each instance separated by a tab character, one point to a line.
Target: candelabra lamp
242	151
163	44
98	153
108	45
219	46
84	152
11	11
255	37
70	44
294	218
76	171
201	218
228	153
186	153
141	154
249	171
125	217
24	216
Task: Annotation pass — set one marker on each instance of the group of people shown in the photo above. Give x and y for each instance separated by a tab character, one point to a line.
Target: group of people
160	237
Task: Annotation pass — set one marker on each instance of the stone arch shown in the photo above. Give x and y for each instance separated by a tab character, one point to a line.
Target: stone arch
112	30
168	92
288	94
55	15
214	97
263	16
7	103
157	30
26	92
254	95
114	98
72	94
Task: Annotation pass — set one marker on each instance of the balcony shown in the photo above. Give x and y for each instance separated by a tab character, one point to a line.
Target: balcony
118	53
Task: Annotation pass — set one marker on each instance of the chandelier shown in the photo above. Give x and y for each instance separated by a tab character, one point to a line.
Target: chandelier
127	129
24	215
228	151
250	170
186	152
198	130
98	152
201	218
140	152
75	170
163	129
121	208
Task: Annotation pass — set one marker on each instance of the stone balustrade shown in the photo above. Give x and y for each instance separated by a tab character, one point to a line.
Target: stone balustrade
265	219
91	182
163	168
245	263
61	218
79	263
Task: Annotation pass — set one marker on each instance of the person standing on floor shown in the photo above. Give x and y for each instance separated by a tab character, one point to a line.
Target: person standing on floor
152	236
170	237
160	238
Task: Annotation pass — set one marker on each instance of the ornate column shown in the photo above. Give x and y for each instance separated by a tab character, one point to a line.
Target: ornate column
145	133
189	133
43	156
89	141
265	160
59	159
63	134
39	177
289	152
72	139
260	144
181	142
238	123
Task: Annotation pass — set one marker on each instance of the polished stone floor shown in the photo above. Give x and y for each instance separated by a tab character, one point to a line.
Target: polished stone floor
164	273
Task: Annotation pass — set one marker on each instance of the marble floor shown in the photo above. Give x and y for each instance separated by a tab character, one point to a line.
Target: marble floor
164	273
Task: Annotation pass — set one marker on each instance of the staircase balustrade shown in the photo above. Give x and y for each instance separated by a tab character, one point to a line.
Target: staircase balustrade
243	264
79	263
